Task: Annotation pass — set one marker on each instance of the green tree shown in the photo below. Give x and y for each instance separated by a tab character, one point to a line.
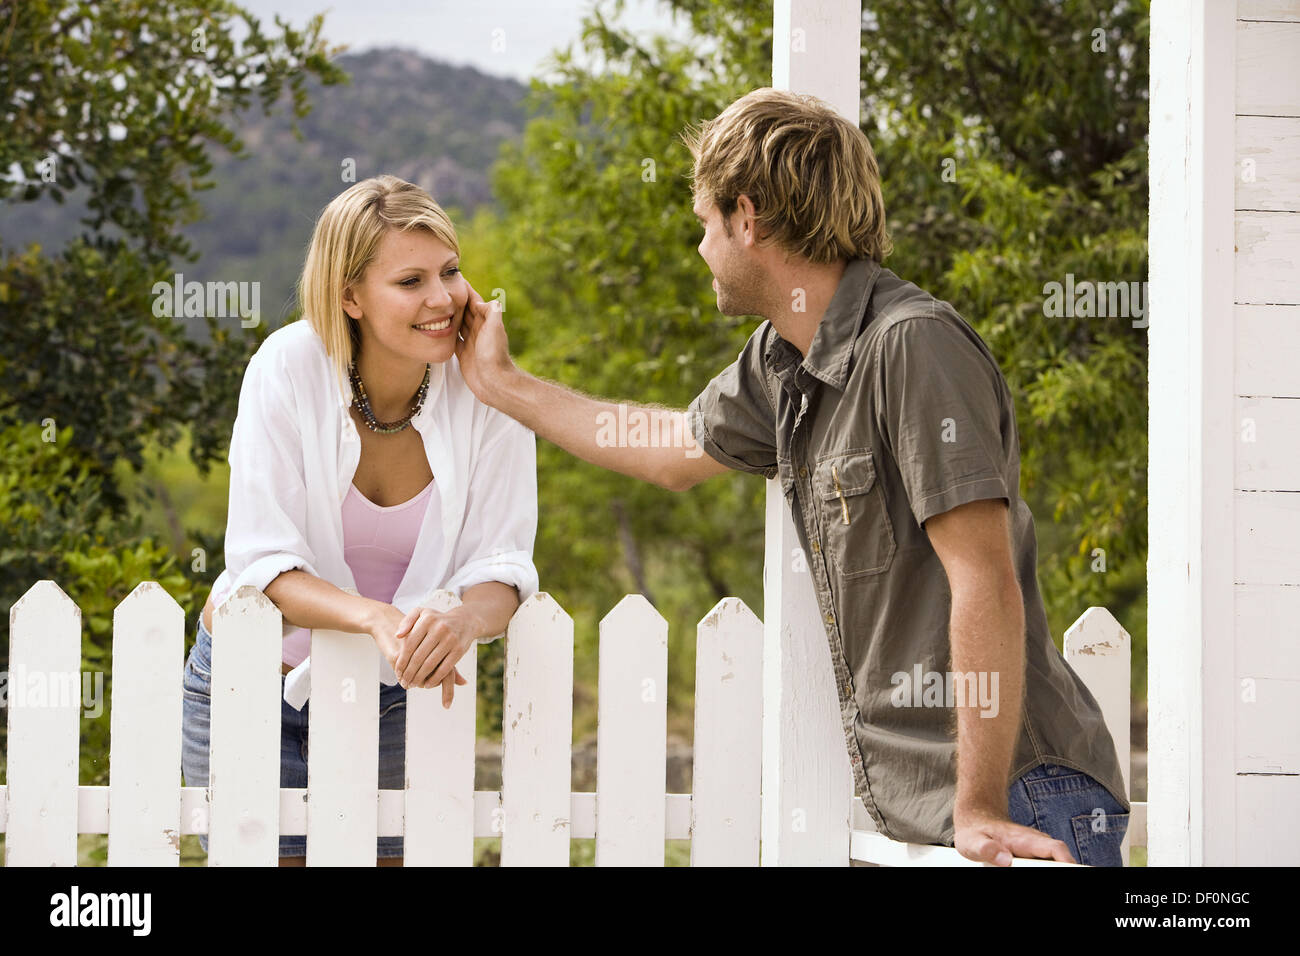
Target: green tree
1044	127
119	103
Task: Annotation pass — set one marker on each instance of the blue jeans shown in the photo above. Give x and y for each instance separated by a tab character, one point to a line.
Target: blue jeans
1072	807
196	740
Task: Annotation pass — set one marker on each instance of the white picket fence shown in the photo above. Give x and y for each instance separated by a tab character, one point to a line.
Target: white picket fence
144	810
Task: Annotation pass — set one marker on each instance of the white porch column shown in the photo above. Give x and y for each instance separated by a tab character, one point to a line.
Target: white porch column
1190	574
807	781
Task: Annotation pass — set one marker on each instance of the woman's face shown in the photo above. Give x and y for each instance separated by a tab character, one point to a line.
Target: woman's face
413	281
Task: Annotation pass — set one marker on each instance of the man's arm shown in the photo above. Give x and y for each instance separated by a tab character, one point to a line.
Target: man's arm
595	431
987	632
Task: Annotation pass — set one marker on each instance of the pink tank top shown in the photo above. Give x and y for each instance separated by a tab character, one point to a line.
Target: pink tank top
377	545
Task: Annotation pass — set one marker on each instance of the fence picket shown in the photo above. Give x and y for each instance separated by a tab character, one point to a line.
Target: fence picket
44	704
243	809
244	766
537	736
1099	650
440	765
632	735
343	750
144	804
728	755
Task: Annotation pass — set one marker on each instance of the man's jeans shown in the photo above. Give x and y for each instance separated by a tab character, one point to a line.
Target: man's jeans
1074	808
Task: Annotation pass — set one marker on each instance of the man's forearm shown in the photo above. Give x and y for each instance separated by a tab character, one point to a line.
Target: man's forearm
987	630
645	442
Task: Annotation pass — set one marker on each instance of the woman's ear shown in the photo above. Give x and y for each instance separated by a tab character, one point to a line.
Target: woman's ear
350	305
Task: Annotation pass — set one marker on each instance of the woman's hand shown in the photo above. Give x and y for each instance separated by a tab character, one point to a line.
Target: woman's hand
387	627
432	642
483	349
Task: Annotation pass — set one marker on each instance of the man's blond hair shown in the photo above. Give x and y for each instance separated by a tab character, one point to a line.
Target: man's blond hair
810	173
345	242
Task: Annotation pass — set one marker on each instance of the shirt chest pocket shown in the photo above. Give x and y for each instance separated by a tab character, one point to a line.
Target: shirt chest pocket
855	521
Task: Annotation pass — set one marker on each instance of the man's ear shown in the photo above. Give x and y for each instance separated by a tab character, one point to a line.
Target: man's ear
748	218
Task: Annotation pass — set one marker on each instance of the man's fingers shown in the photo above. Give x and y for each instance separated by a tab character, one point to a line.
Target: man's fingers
1034	844
985	849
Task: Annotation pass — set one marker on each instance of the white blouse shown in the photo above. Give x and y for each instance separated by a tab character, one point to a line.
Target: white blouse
295	449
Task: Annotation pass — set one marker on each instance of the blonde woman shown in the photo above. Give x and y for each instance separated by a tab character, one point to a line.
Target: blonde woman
361	459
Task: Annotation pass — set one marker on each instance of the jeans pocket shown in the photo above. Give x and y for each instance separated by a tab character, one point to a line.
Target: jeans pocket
1098	836
196	680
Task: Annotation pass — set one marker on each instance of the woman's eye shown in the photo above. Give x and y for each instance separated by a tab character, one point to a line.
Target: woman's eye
454	270
410	281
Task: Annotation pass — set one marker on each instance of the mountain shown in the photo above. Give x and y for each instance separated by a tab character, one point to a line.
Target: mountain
433	124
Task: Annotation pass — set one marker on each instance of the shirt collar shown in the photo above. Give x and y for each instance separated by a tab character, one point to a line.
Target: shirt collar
832	345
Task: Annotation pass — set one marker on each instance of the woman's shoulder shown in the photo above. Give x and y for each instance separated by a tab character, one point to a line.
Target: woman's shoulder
294	344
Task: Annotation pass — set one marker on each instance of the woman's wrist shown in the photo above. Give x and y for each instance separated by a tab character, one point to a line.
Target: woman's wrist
368	611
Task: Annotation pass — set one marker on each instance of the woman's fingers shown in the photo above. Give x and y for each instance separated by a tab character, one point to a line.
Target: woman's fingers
448	689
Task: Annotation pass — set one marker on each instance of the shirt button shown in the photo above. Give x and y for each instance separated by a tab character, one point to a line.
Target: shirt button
817	547
848	690
830	618
803	472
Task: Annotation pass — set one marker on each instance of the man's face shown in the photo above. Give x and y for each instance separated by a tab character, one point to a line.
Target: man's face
737	278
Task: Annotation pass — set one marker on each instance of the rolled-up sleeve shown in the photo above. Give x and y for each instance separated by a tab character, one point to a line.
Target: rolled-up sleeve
946	415
497	535
268	496
734	419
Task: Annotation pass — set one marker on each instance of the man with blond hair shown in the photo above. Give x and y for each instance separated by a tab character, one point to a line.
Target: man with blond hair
893	433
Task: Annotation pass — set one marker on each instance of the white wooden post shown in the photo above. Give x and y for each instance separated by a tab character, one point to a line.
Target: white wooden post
726	773
536	741
244	767
632	735
1099	650
44	728
1192	437
807	781
440	765
343	749
144	806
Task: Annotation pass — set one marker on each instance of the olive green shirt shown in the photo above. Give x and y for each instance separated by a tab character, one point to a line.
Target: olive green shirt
899	413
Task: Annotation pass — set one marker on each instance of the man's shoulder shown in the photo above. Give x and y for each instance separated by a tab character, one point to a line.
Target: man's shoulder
902	312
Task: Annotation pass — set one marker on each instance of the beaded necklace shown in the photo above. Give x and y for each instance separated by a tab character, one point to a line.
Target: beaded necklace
386	428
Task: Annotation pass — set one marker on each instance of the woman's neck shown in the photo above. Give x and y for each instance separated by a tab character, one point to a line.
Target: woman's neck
390	384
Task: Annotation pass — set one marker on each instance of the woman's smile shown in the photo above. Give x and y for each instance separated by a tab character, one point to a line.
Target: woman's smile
438	328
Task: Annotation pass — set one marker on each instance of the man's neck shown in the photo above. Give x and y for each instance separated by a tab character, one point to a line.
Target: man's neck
803	291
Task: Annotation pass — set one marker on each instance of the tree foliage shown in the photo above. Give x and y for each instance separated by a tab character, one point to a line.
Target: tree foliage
116	103
1039	121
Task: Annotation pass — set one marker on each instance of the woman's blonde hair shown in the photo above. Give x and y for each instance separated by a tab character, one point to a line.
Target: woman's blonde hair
810	173
344	243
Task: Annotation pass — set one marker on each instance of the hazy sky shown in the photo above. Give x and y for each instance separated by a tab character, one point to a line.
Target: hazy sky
503	37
